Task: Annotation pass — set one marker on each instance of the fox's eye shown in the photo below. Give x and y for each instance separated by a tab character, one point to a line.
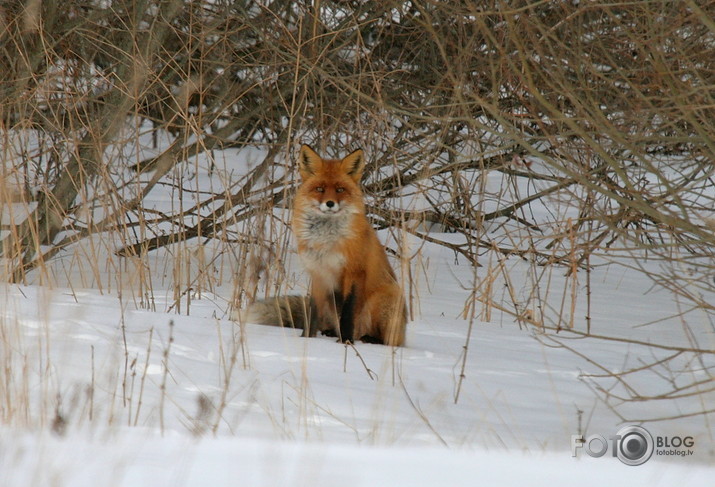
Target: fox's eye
320	189
339	190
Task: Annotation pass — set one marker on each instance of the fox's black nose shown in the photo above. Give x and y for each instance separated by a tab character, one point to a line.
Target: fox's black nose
330	203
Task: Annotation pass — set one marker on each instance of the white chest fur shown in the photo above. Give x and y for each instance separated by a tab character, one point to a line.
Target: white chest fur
321	236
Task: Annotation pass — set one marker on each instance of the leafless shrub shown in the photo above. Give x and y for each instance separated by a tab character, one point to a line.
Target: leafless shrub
548	132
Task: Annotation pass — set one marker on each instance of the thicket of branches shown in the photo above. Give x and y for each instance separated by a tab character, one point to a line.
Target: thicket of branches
605	108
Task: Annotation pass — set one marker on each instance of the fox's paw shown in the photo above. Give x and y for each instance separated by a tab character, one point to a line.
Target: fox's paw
329	333
371	339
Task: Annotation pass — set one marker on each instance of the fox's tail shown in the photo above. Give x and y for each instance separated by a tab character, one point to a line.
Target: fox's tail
289	311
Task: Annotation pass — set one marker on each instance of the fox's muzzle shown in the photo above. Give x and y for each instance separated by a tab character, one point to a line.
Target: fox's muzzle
329	206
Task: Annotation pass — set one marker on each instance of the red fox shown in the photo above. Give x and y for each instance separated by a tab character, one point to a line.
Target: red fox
354	293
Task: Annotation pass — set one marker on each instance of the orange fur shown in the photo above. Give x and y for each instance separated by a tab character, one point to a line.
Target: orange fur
340	250
354	293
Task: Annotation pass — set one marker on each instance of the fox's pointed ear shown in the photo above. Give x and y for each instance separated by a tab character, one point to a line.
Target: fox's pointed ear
308	161
353	164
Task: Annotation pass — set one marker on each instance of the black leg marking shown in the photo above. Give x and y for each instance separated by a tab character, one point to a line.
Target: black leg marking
338	300
347	317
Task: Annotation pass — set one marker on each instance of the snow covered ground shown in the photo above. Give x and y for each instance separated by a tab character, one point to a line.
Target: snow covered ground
95	389
98	392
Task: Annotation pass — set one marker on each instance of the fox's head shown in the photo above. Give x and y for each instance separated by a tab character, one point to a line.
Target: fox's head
331	186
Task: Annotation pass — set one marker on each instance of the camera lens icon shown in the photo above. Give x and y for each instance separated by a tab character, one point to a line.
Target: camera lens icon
635	445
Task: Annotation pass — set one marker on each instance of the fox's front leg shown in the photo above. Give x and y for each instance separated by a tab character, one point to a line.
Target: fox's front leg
347	316
323	312
311	322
